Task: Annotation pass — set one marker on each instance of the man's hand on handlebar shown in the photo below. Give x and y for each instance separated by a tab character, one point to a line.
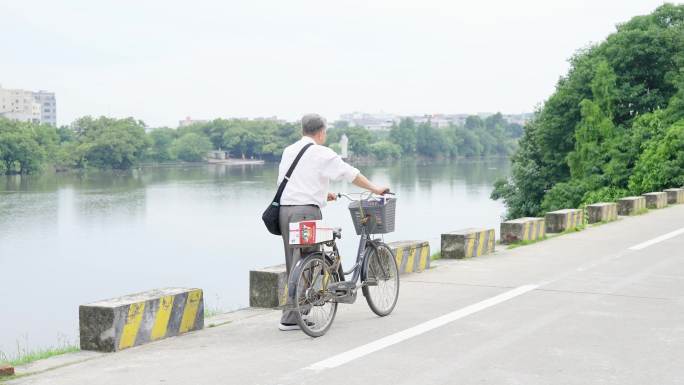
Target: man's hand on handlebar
332	197
380	190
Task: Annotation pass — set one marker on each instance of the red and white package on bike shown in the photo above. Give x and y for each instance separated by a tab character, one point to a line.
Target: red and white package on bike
310	233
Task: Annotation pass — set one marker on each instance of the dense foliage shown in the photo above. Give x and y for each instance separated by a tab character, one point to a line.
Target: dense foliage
614	125
124	143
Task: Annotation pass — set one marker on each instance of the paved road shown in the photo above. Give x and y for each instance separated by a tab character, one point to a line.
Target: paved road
584	308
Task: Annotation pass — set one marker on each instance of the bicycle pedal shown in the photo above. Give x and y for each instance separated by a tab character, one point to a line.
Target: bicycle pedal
342	286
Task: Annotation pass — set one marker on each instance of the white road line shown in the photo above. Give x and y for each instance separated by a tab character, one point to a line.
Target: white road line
419	329
657	239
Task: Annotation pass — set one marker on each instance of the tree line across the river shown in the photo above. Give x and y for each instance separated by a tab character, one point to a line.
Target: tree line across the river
124	143
614	126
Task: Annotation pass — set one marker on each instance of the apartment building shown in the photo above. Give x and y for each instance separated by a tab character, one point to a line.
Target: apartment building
28	106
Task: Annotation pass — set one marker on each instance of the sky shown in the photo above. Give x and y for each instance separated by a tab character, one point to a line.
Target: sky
160	61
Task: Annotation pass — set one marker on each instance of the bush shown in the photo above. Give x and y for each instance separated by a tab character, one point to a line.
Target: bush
604	194
661	165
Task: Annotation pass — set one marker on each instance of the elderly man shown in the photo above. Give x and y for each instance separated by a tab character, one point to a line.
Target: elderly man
307	188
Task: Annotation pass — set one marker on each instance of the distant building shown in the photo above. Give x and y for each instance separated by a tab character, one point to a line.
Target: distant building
383	122
28	106
376	122
48	107
189	121
520	119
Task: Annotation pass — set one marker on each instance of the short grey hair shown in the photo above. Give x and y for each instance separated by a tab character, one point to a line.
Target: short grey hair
312	124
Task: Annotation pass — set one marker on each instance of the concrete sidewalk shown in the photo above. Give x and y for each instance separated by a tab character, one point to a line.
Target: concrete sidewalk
598	313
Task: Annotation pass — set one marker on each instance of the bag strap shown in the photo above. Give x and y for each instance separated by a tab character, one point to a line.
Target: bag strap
281	188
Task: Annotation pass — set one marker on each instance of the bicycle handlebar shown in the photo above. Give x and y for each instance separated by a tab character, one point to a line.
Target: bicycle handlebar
364	195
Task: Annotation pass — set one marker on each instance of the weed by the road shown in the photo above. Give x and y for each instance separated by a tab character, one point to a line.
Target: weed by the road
573	230
25	356
640	211
212	311
436	256
525	243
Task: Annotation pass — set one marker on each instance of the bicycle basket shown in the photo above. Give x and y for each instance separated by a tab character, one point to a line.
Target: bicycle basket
381	212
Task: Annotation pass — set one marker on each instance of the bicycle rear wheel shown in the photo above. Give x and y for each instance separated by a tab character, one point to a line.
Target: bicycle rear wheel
381	287
314	303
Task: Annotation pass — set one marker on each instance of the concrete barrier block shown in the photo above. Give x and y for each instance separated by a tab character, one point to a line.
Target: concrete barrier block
467	243
656	200
602	212
6	370
523	229
268	287
411	256
119	323
561	220
675	195
631	205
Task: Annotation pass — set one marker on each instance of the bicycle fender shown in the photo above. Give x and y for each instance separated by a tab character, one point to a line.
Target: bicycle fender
372	246
292	279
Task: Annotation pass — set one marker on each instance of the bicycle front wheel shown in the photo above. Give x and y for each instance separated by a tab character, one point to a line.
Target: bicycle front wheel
315	304
381	287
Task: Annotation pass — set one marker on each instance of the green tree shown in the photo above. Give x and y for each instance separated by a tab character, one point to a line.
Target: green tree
191	147
161	141
616	101
25	147
661	165
404	134
110	143
385	150
430	142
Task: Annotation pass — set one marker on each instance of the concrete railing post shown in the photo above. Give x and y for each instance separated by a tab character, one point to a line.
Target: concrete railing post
562	220
467	243
631	205
656	200
675	195
523	229
602	212
136	319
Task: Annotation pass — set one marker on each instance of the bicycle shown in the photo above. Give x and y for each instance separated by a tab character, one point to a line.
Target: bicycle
317	284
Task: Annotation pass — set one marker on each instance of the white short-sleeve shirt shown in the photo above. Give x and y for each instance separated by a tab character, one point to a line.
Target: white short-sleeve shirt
310	181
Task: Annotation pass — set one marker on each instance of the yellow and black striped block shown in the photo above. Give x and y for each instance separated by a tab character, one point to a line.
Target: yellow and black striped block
467	243
631	205
120	323
562	220
602	212
268	287
656	200
523	229
675	195
411	256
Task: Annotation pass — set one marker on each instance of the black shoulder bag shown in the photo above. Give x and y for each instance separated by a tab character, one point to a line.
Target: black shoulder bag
271	215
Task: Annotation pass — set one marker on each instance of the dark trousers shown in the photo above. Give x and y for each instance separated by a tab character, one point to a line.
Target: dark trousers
289	214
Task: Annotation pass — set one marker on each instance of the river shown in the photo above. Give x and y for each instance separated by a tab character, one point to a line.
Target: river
68	239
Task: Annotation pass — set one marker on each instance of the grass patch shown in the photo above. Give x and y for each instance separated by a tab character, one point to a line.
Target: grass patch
525	243
573	230
25	356
211	311
640	212
436	256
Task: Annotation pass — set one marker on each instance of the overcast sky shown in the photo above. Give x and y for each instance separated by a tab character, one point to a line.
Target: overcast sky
160	61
